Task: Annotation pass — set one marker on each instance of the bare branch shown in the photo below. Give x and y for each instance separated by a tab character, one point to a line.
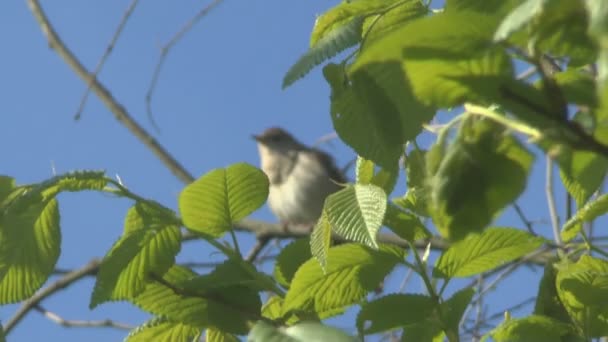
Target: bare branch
164	51
80	323
551	202
63	282
104	57
119	111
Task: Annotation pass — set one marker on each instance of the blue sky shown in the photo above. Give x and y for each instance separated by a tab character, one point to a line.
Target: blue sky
219	85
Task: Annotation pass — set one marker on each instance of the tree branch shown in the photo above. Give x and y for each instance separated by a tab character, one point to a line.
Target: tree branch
65	281
119	111
80	323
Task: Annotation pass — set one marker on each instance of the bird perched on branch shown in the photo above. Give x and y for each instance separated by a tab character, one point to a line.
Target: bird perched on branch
300	177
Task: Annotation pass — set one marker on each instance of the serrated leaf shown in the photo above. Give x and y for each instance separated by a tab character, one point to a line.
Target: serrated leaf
351	272
547	301
48	189
341	14
330	45
215	335
290	259
366	174
302	332
483	252
433	50
356	212
531	328
226	309
148	246
393	311
379	25
519	17
405	225
230	273
425	331
589	212
367	118
483	171
583	289
30	240
162	329
453	309
212	203
273	308
320	239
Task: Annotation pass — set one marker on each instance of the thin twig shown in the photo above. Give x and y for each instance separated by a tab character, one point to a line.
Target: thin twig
119	111
523	218
80	323
551	202
257	248
106	54
65	281
164	50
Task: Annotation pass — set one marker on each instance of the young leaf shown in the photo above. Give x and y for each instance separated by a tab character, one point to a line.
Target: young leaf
483	252
307	331
351	272
164	330
583	289
483	171
356	212
384	178
215	335
320	239
149	244
290	259
405	225
227	309
30	240
589	212
393	311
532	328
330	45
366	118
212	203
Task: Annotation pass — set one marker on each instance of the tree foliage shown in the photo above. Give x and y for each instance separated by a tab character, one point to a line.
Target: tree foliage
407	61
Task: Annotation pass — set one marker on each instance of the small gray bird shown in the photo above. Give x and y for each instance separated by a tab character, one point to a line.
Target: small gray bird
300	177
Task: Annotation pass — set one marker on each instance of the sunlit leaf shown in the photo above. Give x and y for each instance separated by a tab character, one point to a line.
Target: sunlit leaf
483	252
221	197
164	330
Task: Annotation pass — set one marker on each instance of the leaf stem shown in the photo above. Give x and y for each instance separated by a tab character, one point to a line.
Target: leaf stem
501	119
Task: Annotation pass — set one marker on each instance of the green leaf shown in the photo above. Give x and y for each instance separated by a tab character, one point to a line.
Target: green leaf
161	329
352	271
228	309
482	171
366	174
578	87
405	225
273	308
393	311
589	212
44	191
454	308
341	14
356	212
548	302
30	240
302	332
7	184
327	47
214	335
149	244
583	289
230	273
212	203
366	118
425	331
483	252
433	50
519	17
379	25
290	259
531	328
320	240
494	7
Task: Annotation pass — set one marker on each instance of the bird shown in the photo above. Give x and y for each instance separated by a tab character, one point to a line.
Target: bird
300	177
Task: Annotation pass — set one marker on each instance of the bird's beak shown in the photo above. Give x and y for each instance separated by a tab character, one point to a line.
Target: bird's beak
256	137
